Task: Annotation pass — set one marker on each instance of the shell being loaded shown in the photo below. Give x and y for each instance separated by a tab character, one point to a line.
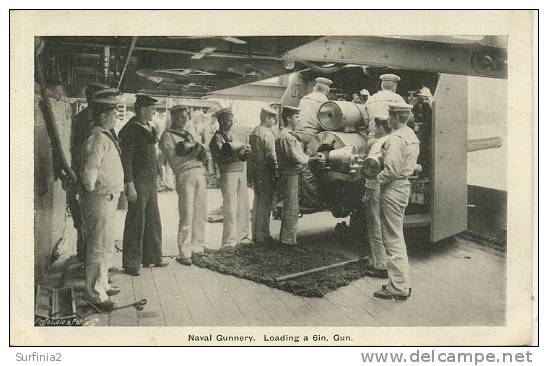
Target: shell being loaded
345	160
340	182
344	152
342	116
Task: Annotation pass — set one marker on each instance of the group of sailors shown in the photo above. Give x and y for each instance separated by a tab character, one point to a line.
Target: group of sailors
107	165
394	147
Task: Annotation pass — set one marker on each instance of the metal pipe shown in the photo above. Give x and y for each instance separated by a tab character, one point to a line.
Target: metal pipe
130	52
106	64
315	270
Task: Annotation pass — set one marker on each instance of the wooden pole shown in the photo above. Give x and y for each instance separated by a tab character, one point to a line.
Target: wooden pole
126	63
49	118
316	270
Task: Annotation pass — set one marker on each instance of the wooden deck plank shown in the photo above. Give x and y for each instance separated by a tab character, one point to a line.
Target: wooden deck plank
295	319
219	297
478	299
126	316
356	297
199	306
329	312
278	312
413	311
245	300
351	309
172	300
457	285
384	311
303	312
145	289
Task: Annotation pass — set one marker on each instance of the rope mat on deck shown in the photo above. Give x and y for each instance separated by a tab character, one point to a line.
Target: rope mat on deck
263	263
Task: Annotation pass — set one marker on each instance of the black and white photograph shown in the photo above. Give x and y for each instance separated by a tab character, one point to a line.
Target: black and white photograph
279	181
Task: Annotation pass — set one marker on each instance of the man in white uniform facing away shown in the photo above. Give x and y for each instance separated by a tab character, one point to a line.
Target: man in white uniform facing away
263	172
308	124
399	153
377	104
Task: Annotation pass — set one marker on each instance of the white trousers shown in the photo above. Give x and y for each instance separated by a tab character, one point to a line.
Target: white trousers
235	207
290	212
394	200
192	191
374	229
99	213
262	206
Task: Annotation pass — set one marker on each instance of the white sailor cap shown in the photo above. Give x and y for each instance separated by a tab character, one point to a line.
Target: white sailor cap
106	96
390	77
425	92
268	110
399	107
324	81
222	111
178	107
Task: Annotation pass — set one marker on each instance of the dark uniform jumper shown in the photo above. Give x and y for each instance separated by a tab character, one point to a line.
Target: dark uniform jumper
80	128
143	228
234	189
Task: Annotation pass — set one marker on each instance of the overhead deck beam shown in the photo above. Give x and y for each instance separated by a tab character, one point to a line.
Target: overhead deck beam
265	93
450	58
175	51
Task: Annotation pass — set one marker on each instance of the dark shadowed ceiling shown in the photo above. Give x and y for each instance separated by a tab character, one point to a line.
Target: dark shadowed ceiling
195	67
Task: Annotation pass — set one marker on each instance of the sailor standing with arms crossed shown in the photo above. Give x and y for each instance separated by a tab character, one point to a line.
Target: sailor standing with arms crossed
233	169
187	159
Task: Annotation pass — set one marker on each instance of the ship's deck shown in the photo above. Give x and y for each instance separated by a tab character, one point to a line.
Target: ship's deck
457	283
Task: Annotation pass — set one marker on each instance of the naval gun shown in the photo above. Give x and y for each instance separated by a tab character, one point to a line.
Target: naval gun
344	144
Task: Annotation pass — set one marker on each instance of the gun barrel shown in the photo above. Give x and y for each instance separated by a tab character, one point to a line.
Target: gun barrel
484	144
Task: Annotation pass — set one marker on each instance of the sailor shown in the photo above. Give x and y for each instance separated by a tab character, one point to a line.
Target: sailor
143	228
376	267
79	131
399	152
377	104
102	178
292	160
422	111
187	158
308	124
233	179
364	96
263	171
